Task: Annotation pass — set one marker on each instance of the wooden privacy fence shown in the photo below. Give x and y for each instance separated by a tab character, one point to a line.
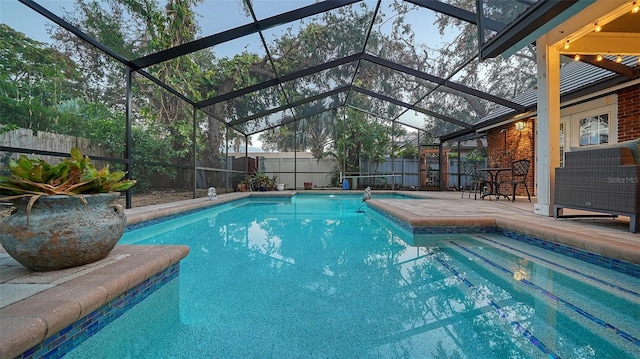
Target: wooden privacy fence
405	172
46	141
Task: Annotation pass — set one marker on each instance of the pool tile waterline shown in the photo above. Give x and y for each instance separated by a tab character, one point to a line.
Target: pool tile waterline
68	338
586	256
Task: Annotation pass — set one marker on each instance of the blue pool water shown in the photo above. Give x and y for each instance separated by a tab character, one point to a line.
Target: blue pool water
309	277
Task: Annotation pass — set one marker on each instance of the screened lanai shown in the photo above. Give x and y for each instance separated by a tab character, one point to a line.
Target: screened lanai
176	92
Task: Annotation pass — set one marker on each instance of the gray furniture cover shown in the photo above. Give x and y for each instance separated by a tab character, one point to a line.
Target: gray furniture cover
603	179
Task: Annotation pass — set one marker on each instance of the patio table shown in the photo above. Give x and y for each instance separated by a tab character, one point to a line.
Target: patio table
495	186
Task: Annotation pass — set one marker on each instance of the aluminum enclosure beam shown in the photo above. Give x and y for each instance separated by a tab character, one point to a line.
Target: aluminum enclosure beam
74	30
291	105
410	106
279	80
239	31
458	13
442	82
539	16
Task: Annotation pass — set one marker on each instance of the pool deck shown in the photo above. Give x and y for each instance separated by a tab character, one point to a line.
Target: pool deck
36	305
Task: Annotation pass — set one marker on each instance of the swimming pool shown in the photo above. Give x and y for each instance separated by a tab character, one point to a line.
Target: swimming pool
309	277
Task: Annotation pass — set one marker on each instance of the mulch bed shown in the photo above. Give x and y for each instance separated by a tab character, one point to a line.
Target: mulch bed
157	196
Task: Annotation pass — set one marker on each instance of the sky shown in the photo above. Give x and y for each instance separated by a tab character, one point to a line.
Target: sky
23	19
213	16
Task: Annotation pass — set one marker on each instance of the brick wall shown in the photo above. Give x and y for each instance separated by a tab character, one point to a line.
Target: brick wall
629	113
519	145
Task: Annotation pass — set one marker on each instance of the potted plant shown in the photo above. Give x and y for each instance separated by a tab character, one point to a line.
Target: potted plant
262	182
65	215
243	186
274	185
308	185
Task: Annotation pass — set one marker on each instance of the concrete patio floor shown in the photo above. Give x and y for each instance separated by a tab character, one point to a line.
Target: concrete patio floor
35	305
449	204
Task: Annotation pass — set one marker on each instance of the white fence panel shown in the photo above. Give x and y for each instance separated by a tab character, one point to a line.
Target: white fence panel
308	169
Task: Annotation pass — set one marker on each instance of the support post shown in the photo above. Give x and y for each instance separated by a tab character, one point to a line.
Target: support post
440	166
246	155
459	168
227	165
393	157
194	148
295	160
547	141
128	136
419	157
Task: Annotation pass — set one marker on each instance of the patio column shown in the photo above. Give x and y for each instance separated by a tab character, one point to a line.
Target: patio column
547	143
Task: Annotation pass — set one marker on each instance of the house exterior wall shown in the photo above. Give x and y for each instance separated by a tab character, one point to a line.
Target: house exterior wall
520	145
625	117
629	113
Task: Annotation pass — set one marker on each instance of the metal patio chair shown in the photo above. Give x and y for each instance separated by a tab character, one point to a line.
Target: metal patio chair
476	180
519	172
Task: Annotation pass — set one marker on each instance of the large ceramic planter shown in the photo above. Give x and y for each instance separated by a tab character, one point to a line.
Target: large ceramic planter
63	232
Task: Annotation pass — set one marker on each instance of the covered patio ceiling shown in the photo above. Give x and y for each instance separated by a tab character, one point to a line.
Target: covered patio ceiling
365	60
610	42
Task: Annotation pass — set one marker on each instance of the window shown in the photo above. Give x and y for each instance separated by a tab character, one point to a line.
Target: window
588	123
594	130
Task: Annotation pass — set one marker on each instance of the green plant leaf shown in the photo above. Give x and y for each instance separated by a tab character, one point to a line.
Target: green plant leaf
24	163
73	176
76	154
36	174
123	186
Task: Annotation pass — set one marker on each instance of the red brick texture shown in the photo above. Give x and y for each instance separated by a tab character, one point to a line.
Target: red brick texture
520	145
629	113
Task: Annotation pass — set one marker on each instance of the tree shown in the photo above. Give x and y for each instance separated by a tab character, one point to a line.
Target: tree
312	133
94	121
132	29
357	136
238	140
405	144
501	77
102	77
326	36
34	79
224	76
